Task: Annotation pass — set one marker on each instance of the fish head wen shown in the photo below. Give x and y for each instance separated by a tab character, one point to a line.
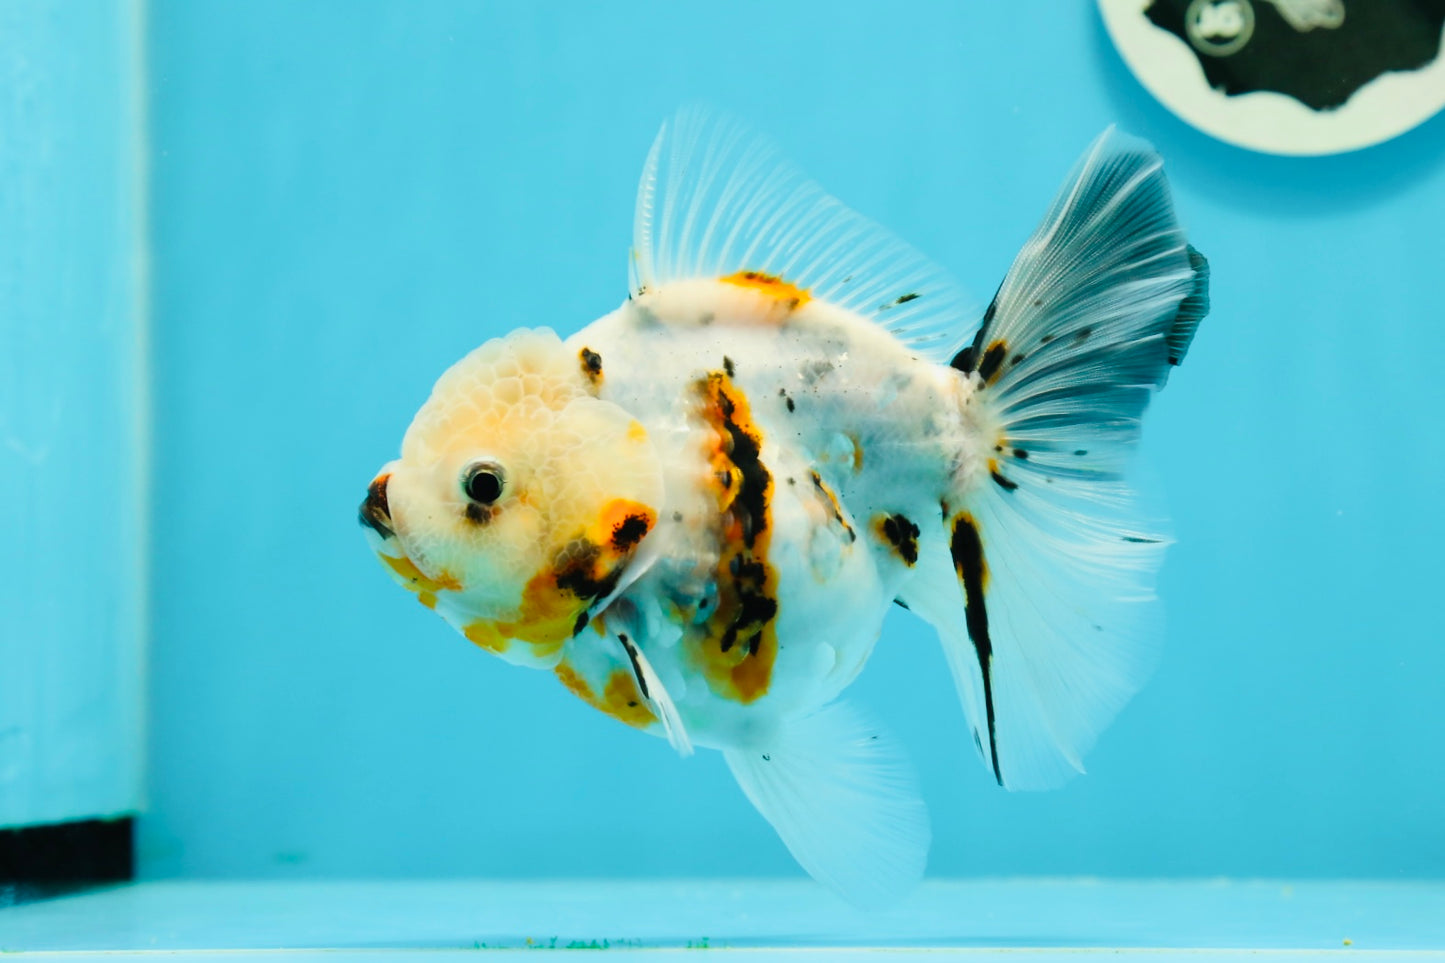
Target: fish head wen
518	499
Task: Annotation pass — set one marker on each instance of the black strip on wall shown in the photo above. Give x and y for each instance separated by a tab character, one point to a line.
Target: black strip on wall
93	851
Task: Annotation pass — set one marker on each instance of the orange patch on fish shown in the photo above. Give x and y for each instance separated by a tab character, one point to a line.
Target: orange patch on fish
736	648
574	682
546	619
556	599
620	697
485	635
776	288
425	587
623	524
622	700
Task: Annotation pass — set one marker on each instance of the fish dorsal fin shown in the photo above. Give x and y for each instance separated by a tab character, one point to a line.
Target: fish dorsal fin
717	201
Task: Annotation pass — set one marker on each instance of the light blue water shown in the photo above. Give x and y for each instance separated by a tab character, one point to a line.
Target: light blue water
347	198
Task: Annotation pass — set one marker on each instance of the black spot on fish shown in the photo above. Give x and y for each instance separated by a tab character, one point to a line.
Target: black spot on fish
1141	541
1081	452
967	360
1016	359
629	532
577	571
902	534
591	364
787	399
992	360
966	547
1003	482
375	511
1082	335
1046	339
677	516
1021	454
901	299
755	609
1038	302
729	367
479	514
632	657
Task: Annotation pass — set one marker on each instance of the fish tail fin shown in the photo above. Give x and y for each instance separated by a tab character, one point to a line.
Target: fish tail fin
1040	579
844	799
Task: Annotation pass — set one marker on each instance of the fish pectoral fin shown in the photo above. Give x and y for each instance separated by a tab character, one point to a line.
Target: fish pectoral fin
843	797
649	684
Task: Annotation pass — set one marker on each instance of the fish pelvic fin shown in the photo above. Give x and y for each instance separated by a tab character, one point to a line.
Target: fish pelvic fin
1040	574
843	797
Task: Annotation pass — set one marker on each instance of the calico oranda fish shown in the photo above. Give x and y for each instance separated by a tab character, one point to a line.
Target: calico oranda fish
697	510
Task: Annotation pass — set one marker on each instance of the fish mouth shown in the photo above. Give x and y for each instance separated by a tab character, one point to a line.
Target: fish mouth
375	513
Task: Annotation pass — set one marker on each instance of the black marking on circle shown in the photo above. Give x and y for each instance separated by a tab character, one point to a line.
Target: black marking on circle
1322	67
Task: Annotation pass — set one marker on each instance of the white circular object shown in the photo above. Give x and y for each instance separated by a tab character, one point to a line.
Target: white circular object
1286	76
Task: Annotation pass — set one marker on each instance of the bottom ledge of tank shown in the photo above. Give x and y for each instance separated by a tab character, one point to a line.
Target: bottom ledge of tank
656	920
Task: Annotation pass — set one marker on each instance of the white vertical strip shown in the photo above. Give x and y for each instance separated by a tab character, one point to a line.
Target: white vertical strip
72	410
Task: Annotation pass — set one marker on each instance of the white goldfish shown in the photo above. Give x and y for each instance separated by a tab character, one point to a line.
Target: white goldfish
697	510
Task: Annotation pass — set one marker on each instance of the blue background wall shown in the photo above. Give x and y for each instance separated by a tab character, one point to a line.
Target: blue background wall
348	197
72	383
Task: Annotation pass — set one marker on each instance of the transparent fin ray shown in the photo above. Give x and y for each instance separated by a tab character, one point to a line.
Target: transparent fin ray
716	200
845	801
650	686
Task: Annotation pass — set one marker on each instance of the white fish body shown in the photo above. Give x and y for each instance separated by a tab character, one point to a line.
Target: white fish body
698	509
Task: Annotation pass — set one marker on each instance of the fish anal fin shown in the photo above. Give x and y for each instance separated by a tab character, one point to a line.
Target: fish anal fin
843	798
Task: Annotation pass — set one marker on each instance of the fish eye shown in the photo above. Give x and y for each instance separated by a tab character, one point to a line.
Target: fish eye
482	482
